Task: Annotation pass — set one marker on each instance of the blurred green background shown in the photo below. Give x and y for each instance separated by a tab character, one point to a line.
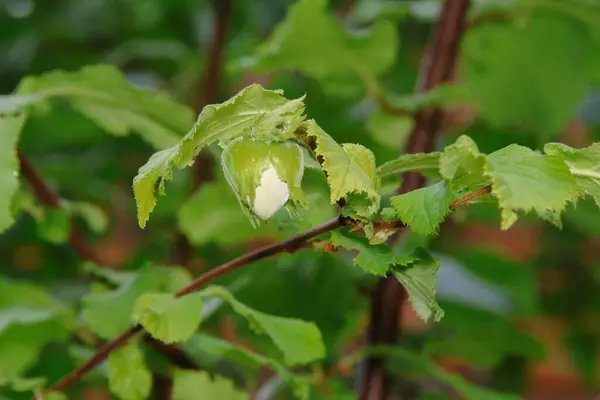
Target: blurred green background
522	306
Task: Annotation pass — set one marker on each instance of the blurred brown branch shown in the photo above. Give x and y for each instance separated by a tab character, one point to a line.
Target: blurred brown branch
47	196
436	68
207	93
288	245
79	243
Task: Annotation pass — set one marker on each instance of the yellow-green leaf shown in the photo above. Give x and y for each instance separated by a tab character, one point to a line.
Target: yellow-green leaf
167	318
350	171
128	376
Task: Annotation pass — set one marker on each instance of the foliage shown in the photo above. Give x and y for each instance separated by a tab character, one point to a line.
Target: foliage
315	151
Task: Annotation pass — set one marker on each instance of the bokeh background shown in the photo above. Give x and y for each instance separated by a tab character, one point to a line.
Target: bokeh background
522	306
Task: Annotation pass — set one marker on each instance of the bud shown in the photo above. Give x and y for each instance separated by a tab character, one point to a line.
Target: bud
264	176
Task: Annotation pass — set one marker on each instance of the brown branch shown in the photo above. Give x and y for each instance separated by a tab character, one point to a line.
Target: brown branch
78	242
288	245
300	241
463	201
47	196
386	302
99	356
208	93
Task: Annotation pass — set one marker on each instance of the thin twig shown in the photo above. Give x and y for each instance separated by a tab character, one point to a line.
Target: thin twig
463	201
78	242
386	302
47	196
288	245
300	241
99	356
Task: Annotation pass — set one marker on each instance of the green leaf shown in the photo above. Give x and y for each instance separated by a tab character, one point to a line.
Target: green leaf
213	214
108	313
462	158
24	331
284	281
426	163
254	112
128	376
350	171
10	130
55	396
364	158
177	278
54	226
584	217
472	391
373	259
389	130
102	94
441	95
297	43
167	318
533	74
365	11
424	209
94	216
299	341
480	337
582	348
23	384
29	319
584	165
403	360
523	179
191	384
16	104
419	277
209	347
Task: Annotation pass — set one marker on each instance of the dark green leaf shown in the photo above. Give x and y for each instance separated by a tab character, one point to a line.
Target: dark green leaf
373	259
299	341
102	94
108	313
54	226
419	277
29	319
423	210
